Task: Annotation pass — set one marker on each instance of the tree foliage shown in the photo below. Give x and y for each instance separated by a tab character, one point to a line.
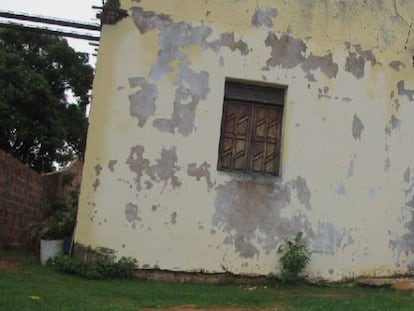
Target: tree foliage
38	123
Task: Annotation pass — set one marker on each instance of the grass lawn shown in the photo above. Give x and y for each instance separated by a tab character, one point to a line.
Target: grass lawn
29	286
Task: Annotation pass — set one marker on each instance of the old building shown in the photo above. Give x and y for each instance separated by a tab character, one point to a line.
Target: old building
219	128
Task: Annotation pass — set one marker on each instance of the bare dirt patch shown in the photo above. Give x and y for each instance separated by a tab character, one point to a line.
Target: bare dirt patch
195	308
8	264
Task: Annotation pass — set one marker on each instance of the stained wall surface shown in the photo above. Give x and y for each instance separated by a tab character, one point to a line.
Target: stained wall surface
151	189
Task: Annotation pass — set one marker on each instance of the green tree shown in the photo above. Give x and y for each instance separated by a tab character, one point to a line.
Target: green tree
38	123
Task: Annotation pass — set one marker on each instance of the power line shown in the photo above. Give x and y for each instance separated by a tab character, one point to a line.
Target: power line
50	20
46	30
41	27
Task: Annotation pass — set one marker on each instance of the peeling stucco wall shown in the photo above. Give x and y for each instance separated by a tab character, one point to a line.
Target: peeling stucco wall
151	189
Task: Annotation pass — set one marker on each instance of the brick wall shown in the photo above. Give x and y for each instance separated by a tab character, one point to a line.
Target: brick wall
22	193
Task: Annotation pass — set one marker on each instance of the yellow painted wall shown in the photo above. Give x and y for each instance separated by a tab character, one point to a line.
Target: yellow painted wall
151	189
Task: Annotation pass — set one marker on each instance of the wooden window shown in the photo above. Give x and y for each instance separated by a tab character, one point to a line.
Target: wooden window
251	129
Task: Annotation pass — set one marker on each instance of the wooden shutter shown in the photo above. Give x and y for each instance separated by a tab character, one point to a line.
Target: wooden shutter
234	136
265	140
251	129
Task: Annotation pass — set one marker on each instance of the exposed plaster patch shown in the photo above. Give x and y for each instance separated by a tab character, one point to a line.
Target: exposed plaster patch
351	167
287	51
148	184
340	190
264	17
395	123
137	163
131	214
387	164
165	169
371	193
111	165
303	192
355	62
324	63
98	169
407	175
173	37
183	115
397	65
202	170
328	239
357	127
250	211
96	184
323	93
173	218
405	92
396	104
147	21
227	40
221	61
142	103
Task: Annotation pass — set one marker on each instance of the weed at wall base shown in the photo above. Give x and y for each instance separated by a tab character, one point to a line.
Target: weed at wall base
103	268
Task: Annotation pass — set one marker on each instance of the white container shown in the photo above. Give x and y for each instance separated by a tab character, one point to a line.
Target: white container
49	249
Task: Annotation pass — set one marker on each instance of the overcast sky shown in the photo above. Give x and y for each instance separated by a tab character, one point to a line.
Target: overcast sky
79	10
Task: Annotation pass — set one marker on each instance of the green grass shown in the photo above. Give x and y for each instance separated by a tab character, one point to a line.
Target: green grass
58	291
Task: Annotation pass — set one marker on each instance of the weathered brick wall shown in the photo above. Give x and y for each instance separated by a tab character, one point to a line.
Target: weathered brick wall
22	193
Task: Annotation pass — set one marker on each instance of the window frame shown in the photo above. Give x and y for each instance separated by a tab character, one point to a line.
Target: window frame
255	96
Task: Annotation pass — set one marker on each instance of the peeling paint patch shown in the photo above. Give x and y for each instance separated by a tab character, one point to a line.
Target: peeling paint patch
323	93
340	190
175	36
387	164
183	115
407	175
324	63
96	184
328	239
244	208
131	213
395	123
405	243
351	167
98	169
173	218
357	127
371	193
405	92
199	172
397	65
355	62
137	163
111	165
142	103
164	170
303	192
287	52
227	40
264	17
147	21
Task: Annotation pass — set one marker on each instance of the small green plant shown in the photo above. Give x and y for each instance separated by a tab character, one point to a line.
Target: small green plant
103	267
294	259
